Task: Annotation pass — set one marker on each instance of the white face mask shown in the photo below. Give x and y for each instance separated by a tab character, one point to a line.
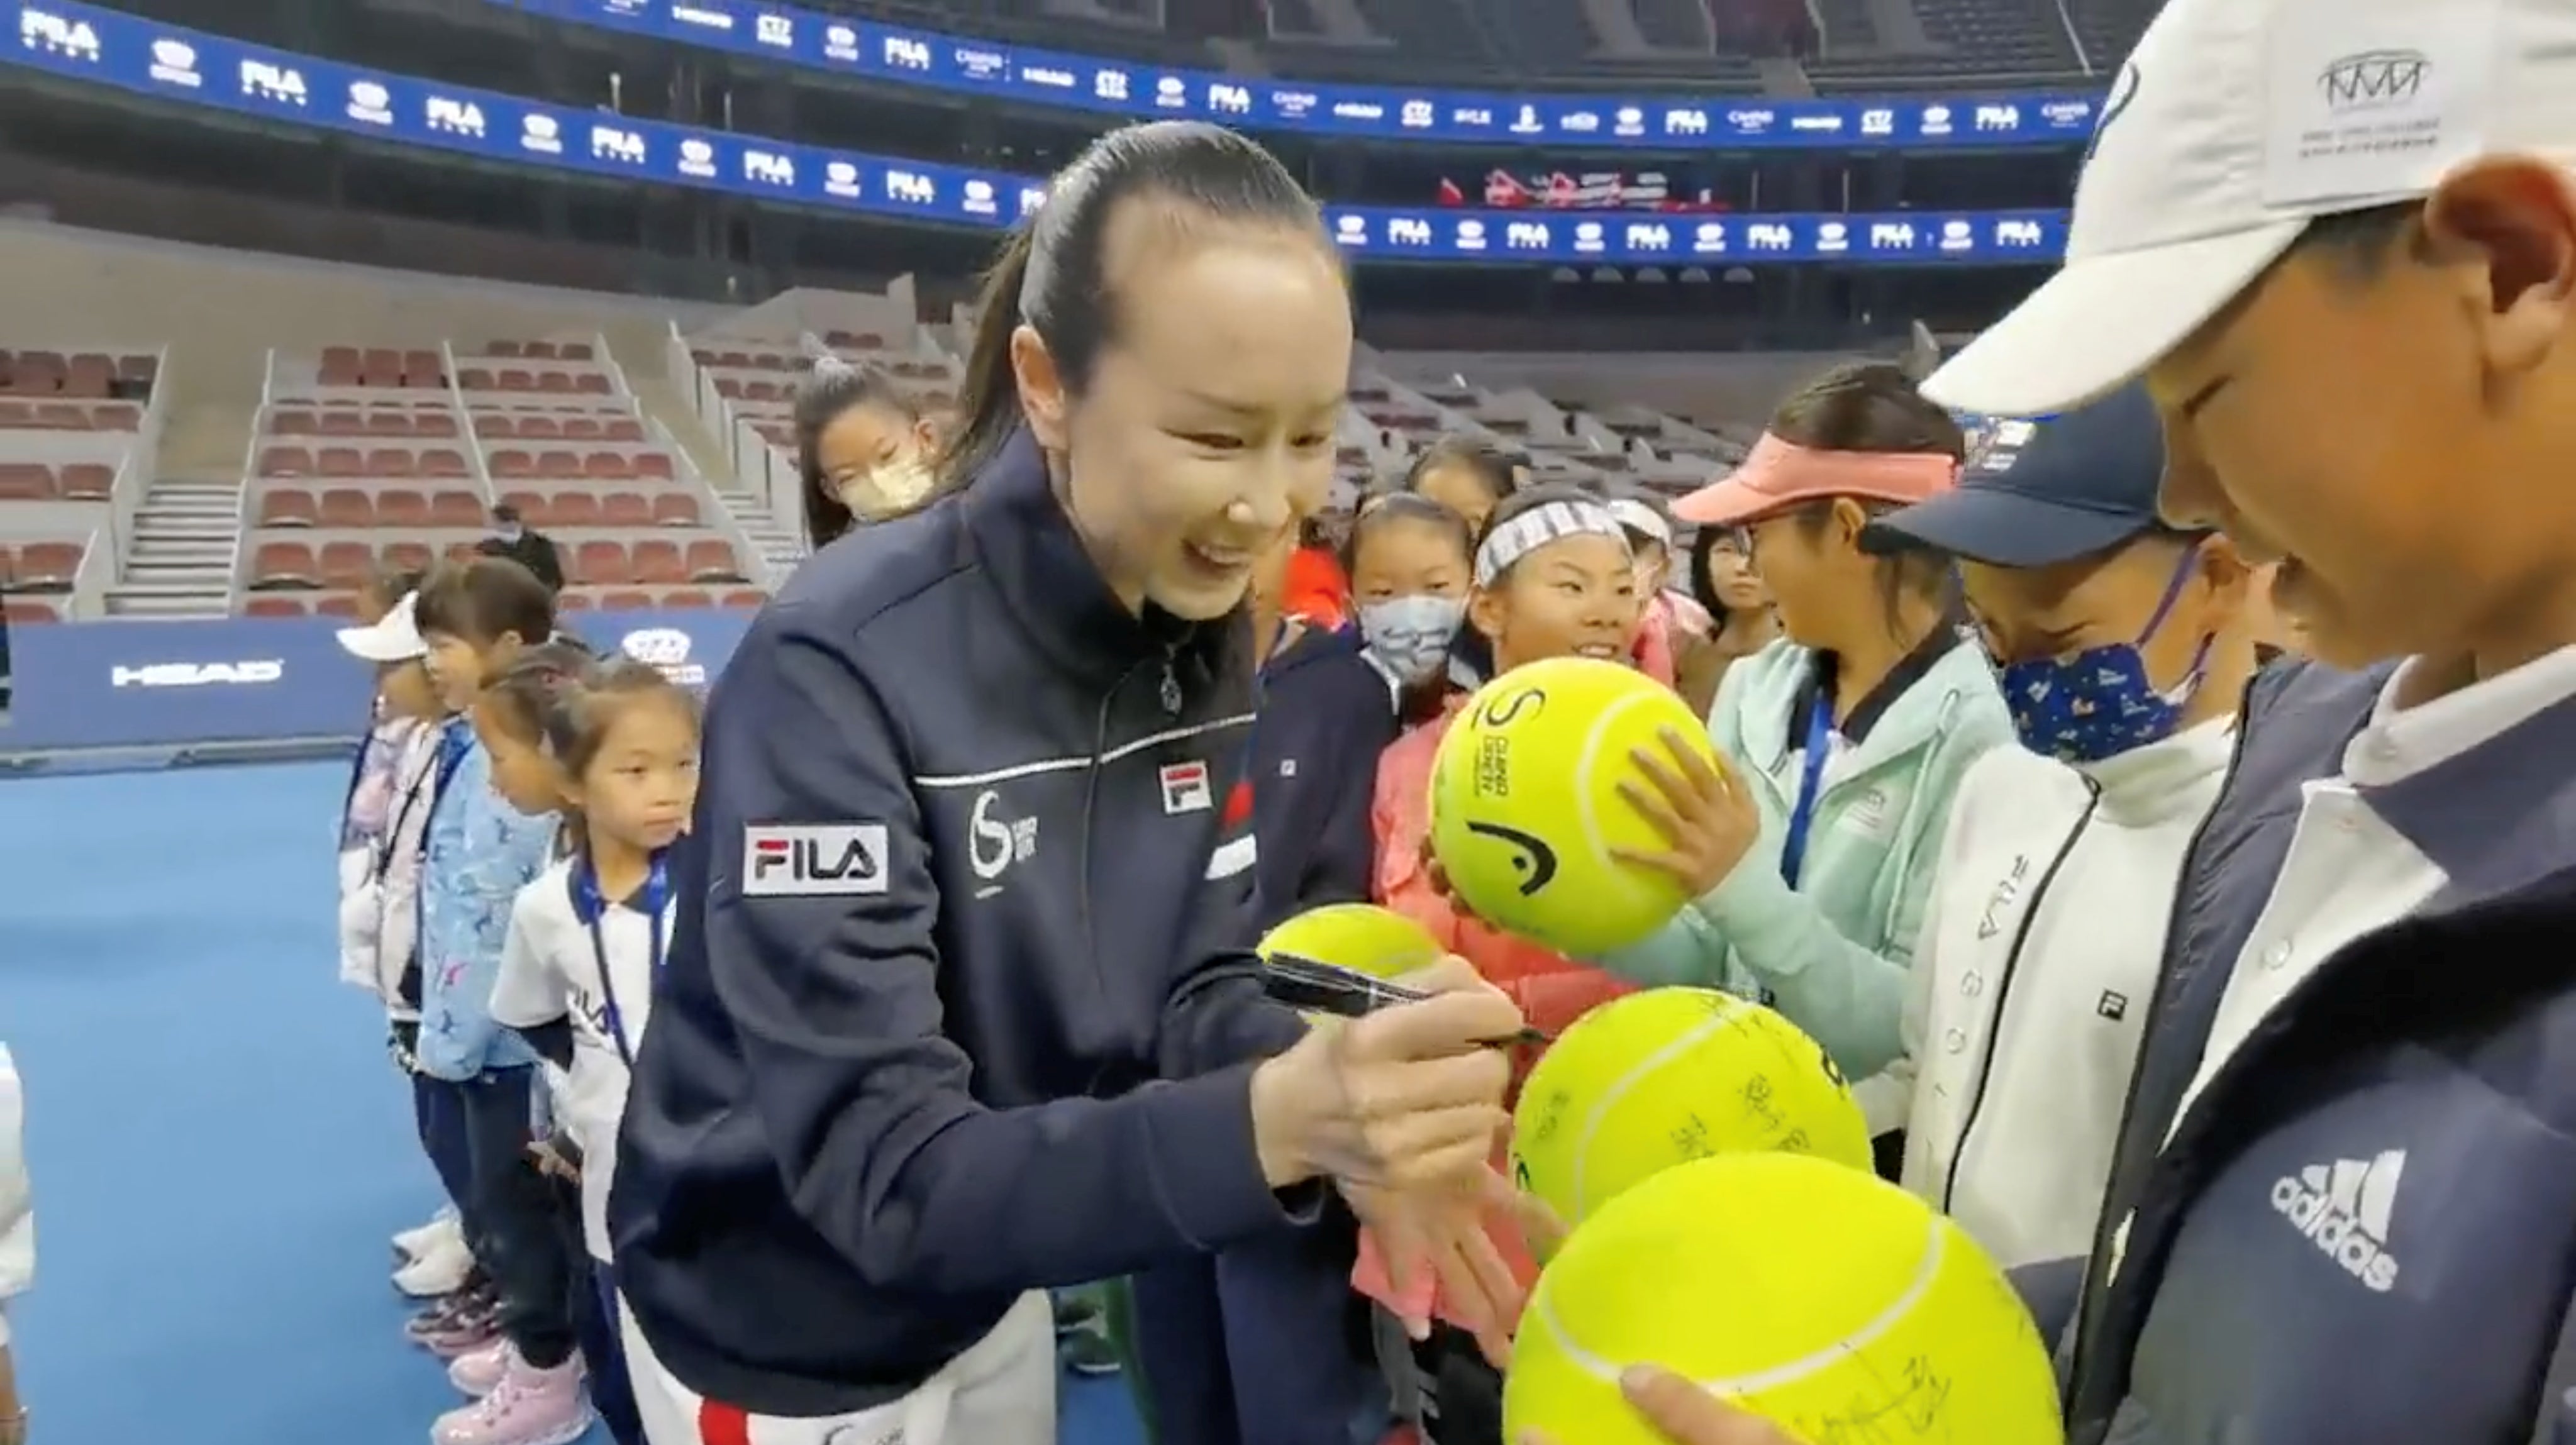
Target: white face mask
1411	635
886	490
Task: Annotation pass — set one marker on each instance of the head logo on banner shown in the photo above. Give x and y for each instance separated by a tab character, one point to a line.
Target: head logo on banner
135	684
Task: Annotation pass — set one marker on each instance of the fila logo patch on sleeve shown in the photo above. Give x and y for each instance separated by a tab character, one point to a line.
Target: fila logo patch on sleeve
1186	789
813	860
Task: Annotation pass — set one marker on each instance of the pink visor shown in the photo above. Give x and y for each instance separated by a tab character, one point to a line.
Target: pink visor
1778	475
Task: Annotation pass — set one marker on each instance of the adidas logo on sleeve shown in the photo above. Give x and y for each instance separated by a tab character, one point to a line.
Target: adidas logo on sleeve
2343	1209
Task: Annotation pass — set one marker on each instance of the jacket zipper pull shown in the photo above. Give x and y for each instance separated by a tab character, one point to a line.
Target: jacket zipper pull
1171	689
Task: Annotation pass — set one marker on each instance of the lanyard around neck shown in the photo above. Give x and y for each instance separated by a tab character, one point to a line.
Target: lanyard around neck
594	907
1811	785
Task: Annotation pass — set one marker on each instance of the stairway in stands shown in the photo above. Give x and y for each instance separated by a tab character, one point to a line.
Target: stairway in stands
181	551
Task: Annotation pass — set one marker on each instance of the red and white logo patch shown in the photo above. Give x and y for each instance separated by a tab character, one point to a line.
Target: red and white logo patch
1186	789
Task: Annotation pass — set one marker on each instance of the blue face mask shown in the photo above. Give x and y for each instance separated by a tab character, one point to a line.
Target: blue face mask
2100	703
1410	636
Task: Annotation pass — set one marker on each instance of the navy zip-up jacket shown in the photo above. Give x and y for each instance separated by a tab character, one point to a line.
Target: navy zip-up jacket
1326	714
2228	1297
952	1008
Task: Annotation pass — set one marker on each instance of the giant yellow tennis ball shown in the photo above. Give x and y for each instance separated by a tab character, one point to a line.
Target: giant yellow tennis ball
1660	1078
1822	1298
1525	806
1362	937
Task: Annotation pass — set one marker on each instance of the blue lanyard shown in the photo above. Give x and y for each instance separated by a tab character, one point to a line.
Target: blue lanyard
586	897
1811	785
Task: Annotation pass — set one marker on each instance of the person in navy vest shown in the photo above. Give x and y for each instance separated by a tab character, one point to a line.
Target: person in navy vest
958	1005
2338	239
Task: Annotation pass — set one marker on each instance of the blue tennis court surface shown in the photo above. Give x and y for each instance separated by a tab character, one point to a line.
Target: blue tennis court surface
220	1147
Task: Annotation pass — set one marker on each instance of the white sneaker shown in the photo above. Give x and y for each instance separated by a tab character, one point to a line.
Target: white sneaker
414	1242
442	1270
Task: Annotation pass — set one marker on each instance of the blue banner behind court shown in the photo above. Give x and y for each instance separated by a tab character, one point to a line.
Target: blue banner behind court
863	49
88	44
128	683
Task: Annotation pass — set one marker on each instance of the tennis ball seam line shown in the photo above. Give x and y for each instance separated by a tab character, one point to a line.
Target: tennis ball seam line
1926	1273
1587	758
1627	1083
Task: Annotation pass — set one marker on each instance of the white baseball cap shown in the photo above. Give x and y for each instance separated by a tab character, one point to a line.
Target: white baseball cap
2233	125
394	638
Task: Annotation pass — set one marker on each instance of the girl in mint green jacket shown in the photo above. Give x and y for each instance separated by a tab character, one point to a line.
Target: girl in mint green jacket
1809	856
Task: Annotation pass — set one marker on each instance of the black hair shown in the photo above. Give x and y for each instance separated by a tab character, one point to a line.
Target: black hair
1700	572
388	583
563	698
481	598
1473	649
1404	507
1874	406
2359	244
831	389
1492	470
1053	272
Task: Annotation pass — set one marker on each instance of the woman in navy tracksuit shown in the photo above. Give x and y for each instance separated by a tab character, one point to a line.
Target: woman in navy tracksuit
956	1007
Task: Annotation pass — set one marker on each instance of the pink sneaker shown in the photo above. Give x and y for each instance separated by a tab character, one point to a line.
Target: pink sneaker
526	1407
477	1373
460	1334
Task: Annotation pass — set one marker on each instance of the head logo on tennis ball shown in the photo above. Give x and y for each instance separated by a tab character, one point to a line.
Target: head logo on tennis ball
1531	857
1526	808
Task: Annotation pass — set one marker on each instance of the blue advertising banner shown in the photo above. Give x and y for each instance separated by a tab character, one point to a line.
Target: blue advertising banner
840	45
130	683
105	47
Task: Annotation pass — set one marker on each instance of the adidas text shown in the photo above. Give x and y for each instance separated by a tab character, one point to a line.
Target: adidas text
2337	1231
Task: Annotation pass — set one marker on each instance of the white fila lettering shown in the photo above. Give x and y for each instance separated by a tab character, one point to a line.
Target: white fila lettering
813	860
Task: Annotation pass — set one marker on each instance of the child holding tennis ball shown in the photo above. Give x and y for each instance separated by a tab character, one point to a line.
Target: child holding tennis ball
1551	576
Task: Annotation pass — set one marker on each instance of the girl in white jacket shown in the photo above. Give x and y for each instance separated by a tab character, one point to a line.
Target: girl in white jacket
17	1241
2125	648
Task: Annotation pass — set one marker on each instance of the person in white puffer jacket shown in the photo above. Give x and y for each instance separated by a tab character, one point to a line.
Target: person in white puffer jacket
2125	648
17	1242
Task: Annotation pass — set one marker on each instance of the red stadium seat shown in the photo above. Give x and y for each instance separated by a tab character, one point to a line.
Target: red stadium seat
713	561
674	509
288	507
602	564
401	507
272	605
456	509
286	462
46	566
26	482
284	564
347	565
625	509
88	482
347	507
574	509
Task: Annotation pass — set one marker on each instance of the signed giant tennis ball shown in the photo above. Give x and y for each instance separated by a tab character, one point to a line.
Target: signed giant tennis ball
1658	1079
1525	806
1362	937
1822	1298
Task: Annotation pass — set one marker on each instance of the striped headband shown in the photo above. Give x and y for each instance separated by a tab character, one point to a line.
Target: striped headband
1537	527
1637	517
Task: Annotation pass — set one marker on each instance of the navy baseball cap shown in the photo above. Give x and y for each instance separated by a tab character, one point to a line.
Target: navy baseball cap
2045	492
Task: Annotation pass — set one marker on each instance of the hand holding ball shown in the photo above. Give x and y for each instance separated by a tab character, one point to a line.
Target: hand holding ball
1818	1297
1532	817
1660	1078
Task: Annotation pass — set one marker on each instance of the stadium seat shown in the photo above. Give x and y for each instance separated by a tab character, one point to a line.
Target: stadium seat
288	507
88	482
41	566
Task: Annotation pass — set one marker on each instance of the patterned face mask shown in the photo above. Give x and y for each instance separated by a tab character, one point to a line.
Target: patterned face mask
2100	702
888	489
1411	635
